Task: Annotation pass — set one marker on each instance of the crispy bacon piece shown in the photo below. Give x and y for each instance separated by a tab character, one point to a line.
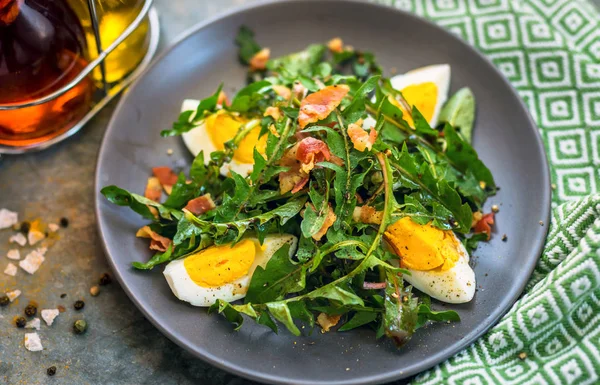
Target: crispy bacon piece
222	99
484	225
258	62
157	242
153	189
200	205
166	177
367	214
361	139
319	105
336	45
329	221
311	151
327	321
300	184
273	112
282	91
374	285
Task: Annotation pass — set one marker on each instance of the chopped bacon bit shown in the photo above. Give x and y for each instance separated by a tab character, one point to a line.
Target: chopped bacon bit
367	214
300	184
484	225
282	91
158	242
374	285
166	177
200	205
360	138
327	321
329	221
273	112
153	189
258	62
289	179
477	215
299	91
222	99
319	105
311	151
336	45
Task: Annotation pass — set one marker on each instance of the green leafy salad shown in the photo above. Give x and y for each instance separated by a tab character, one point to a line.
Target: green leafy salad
322	193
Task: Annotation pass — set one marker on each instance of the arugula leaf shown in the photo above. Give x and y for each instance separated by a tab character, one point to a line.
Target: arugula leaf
157	259
191	119
336	293
299	63
472	242
281	276
198	170
249	96
360	318
181	193
459	111
465	157
282	313
315	214
231	203
138	203
426	314
422	127
356	109
401	311
248	46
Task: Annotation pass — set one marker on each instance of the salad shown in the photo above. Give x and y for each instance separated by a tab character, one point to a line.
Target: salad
322	193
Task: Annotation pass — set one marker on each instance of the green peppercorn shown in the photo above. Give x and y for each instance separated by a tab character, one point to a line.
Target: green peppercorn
105	279
30	310
25	227
64	222
78	305
20	322
4	300
51	370
80	326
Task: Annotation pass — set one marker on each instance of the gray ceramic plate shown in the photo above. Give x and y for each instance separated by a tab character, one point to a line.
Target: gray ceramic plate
505	137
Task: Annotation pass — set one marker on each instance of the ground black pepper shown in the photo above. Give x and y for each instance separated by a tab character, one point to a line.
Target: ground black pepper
64	222
105	279
51	370
30	310
25	226
63	295
4	300
78	305
20	322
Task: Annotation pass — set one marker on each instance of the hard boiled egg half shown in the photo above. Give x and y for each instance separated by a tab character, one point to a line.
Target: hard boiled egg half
222	272
425	88
437	260
217	129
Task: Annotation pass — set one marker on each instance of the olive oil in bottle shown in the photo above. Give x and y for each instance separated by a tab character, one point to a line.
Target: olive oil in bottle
114	17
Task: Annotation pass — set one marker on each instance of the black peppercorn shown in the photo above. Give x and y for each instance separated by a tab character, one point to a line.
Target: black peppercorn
25	226
80	326
64	222
78	305
105	279
4	300
20	322
63	295
51	370
30	310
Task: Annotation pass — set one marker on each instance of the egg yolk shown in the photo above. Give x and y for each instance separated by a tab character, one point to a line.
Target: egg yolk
219	265
222	127
422	247
423	96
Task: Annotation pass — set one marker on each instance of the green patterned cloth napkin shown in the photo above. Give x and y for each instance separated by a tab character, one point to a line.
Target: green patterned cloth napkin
550	51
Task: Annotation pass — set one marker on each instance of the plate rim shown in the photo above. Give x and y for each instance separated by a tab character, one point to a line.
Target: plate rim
391	375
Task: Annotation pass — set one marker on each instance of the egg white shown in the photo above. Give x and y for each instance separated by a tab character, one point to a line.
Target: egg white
455	285
187	290
198	139
439	74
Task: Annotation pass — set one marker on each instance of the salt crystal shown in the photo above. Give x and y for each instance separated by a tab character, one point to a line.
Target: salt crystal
53	227
10	270
8	218
13	254
19	238
32	342
32	262
33	324
42	250
49	315
12	295
34	236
